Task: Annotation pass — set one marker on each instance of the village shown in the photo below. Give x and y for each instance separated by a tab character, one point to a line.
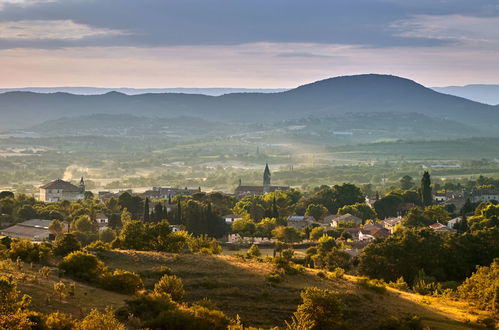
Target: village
355	230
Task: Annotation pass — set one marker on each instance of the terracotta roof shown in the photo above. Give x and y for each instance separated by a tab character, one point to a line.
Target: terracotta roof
347	217
61	184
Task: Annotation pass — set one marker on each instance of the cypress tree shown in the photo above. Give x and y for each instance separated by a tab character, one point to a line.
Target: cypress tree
275	211
146	210
425	190
179	213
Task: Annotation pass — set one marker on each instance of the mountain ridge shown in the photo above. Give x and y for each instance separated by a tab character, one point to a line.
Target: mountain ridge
359	93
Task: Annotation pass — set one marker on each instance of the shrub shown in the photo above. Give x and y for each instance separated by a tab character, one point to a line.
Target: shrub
172	285
175	242
107	235
60	321
321	309
338	272
274	277
482	287
253	252
321	274
102	321
98	246
410	322
378	286
83	266
122	281
65	244
204	241
424	284
28	251
400	284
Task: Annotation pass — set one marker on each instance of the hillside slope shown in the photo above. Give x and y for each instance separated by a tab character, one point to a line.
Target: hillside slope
239	287
362	93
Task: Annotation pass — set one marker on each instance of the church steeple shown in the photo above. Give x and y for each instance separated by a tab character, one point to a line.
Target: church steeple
266	179
82	185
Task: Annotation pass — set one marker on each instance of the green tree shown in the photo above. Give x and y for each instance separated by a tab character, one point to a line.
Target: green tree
360	210
316	233
244	227
133	235
83	266
482	288
436	213
320	309
172	285
264	228
146	217
425	190
286	234
56	227
317	211
406	182
416	218
65	244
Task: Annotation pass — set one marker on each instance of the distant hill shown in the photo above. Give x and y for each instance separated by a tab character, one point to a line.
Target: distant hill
356	94
488	94
136	91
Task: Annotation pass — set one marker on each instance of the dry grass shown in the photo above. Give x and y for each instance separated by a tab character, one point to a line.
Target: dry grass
44	299
239	287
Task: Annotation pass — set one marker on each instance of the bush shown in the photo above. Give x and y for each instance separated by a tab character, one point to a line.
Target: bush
98	246
400	284
378	286
274	277
122	281
321	309
172	285
107	235
338	272
28	251
424	284
253	252
65	244
83	266
59	321
410	322
102	321
206	242
482	287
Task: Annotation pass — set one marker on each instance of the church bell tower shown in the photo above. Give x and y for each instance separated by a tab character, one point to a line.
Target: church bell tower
266	179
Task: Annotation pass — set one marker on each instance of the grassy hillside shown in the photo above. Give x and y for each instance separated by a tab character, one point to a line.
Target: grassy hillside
239	287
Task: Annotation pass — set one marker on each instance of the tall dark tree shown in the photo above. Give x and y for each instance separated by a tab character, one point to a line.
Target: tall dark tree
147	216
274	212
425	190
406	182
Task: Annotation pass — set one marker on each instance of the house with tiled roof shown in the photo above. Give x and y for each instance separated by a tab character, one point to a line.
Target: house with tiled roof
60	190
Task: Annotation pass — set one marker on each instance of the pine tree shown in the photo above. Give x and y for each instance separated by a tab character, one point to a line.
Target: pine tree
425	190
147	217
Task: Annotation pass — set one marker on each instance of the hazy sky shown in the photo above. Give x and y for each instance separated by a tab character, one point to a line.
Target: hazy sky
245	43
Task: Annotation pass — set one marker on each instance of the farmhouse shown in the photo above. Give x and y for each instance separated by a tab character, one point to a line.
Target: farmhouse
60	190
35	230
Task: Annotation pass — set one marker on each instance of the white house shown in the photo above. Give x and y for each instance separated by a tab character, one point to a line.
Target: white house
60	190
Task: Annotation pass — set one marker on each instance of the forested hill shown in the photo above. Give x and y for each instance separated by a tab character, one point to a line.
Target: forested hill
362	93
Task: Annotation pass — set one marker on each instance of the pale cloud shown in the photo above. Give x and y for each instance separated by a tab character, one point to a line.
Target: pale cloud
251	65
455	28
51	30
23	3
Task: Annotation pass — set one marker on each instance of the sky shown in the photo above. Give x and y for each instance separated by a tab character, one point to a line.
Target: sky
245	43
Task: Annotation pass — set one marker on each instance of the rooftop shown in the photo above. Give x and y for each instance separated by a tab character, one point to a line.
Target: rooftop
61	184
